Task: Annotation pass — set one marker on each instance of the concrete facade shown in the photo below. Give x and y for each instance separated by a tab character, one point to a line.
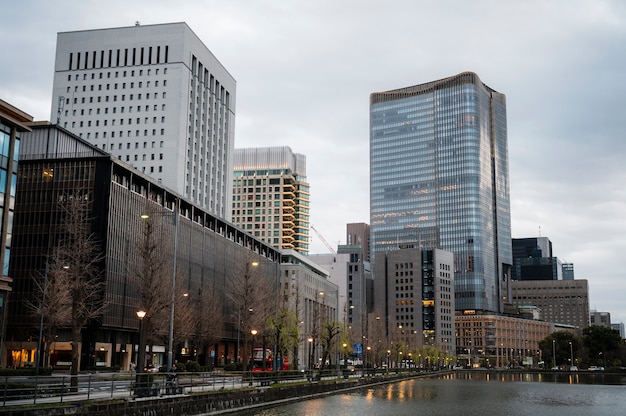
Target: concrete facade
271	196
560	301
156	98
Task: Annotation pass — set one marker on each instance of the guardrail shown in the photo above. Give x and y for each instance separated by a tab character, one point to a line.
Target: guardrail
60	388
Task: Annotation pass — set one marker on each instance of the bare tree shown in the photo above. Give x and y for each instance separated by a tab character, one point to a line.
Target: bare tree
75	266
251	295
378	338
329	333
198	319
52	298
316	326
153	277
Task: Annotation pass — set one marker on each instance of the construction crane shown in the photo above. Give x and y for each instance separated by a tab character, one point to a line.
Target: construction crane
328	246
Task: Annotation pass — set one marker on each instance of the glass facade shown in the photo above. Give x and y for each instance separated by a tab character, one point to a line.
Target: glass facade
439	179
209	251
8	170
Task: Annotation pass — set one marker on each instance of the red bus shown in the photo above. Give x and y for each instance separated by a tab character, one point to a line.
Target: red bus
256	364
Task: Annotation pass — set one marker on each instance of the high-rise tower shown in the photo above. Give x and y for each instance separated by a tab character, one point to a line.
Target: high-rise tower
271	196
439	179
155	97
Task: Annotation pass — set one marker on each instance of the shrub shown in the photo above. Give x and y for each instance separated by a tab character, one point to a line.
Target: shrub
192	366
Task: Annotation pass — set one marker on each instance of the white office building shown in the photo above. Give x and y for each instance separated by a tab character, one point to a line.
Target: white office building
155	97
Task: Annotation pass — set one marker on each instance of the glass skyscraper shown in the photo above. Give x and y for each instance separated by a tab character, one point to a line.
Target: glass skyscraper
439	179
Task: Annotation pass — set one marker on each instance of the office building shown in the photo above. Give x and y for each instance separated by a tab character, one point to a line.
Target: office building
600	318
155	97
271	196
533	260
13	123
560	301
358	234
414	294
439	178
619	327
206	254
490	340
567	271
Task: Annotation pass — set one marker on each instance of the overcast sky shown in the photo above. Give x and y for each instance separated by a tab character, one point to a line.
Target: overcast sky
305	70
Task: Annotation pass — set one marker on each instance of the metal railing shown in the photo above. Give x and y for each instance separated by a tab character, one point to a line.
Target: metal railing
61	388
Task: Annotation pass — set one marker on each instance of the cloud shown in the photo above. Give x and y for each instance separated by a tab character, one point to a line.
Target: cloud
305	71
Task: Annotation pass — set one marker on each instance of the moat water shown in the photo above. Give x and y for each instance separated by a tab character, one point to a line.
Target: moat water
475	393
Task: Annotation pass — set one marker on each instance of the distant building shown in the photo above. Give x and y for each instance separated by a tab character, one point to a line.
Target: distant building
439	178
336	265
271	196
414	294
533	260
155	97
490	340
13	122
358	234
600	319
568	271
560	301
619	326
306	288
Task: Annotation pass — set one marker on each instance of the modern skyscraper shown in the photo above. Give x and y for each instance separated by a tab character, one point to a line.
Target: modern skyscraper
271	196
155	97
533	260
439	178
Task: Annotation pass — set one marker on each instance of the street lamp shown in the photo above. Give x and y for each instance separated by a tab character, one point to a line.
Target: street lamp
141	355
170	339
310	339
253	332
553	354
571	355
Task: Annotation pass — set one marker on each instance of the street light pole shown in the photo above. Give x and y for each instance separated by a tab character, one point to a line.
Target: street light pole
43	305
170	341
571	355
553	354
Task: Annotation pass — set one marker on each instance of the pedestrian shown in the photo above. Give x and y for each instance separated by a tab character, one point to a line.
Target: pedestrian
132	367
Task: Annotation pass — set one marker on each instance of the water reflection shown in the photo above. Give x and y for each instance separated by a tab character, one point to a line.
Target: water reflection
475	393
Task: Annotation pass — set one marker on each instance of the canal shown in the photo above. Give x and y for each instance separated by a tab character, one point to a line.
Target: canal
476	393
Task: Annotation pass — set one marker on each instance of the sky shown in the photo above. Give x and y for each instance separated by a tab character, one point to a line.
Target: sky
305	71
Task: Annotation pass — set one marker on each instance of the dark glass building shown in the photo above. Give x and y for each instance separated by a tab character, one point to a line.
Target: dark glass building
439	178
533	260
56	164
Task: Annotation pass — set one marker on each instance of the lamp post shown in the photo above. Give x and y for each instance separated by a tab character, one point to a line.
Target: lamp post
43	305
571	355
277	291
310	339
253	332
170	339
553	354
141	355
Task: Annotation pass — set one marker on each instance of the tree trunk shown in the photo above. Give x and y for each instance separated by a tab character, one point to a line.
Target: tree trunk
75	356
